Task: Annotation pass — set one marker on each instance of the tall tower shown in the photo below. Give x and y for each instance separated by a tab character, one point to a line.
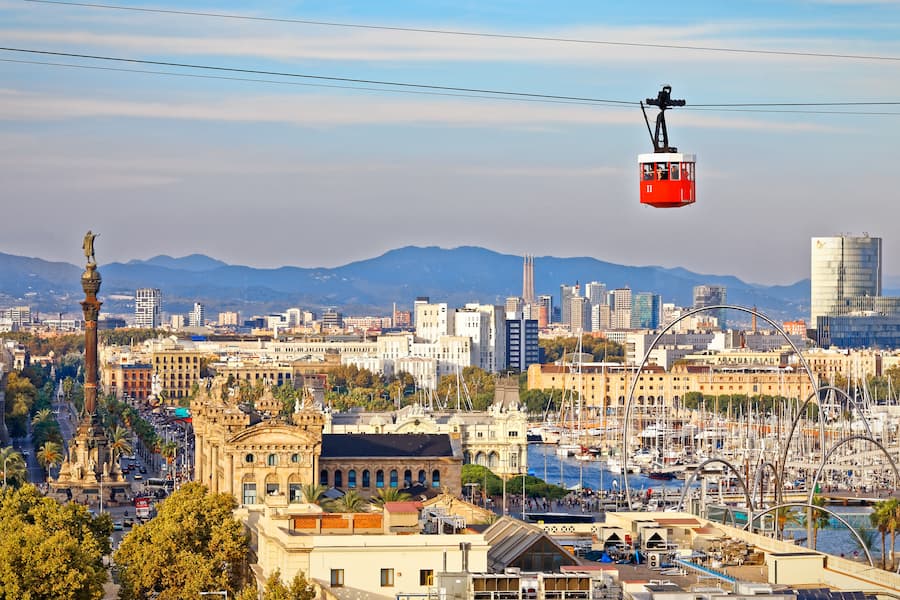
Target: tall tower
147	302
528	280
842	267
711	295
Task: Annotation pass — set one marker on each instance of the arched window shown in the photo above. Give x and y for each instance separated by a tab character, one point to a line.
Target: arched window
407	478
248	458
422	476
379	478
351	478
272	460
338	478
435	478
367	480
393	478
323	477
295	458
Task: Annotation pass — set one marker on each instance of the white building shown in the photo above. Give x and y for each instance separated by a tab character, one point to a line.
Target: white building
147	308
486	325
197	316
433	321
620	302
842	267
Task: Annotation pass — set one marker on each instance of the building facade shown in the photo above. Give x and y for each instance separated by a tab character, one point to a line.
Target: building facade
646	310
712	295
842	267
147	308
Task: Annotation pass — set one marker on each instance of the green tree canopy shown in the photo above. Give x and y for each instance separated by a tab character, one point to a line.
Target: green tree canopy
192	545
50	551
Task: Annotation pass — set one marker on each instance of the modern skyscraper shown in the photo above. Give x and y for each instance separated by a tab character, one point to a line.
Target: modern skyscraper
528	280
566	293
197	316
522	349
842	268
595	292
620	302
579	314
711	295
645	310
147	307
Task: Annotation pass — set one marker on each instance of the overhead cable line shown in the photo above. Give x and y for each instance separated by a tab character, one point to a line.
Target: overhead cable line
454	32
319	77
423	89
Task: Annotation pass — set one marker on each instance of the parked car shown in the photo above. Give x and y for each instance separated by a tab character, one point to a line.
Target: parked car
129	522
138	477
143	470
117	526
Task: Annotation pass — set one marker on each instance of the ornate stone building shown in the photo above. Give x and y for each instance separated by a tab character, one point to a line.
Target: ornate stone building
259	451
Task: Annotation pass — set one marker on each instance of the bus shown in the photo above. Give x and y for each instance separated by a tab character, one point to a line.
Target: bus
142	507
159	483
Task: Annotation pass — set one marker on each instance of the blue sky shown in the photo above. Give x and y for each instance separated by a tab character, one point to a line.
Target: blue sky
269	174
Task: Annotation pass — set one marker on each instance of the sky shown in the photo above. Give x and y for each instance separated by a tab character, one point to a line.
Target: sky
269	170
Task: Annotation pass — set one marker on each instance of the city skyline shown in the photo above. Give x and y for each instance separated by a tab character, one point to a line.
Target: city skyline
177	165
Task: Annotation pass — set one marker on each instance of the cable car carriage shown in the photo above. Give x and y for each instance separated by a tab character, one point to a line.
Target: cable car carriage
667	176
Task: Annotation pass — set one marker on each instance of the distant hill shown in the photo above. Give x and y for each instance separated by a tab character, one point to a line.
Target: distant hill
456	276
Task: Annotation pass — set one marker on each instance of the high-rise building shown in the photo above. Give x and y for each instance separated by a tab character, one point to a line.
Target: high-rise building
842	267
645	310
545	310
229	319
147	308
595	292
528	280
332	319
579	314
711	295
566	293
514	304
522	349
433	320
197	316
620	302
484	325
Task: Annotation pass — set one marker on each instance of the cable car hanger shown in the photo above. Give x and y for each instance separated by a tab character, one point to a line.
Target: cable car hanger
664	101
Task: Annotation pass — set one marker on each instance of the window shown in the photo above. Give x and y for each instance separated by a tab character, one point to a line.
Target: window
367	480
337	577
323	477
393	478
271	489
296	492
249	493
426	576
272	460
407	478
422	476
435	478
515	433
675	171
379	478
351	478
295	458
249	458
662	171
338	478
647	172
387	578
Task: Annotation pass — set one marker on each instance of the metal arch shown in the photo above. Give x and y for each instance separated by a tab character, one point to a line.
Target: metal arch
838	444
758	475
795	422
629	401
693	478
823	509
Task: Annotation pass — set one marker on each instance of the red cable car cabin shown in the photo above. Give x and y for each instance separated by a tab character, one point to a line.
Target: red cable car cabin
667	179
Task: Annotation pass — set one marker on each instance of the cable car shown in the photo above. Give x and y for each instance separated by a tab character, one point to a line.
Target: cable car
667	176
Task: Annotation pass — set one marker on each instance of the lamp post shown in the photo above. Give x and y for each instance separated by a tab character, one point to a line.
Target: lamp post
101	492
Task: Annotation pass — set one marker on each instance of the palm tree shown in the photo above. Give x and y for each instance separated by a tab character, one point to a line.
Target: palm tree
119	442
892	508
167	451
50	455
879	520
819	519
14	468
784	517
45	415
351	502
314	493
389	494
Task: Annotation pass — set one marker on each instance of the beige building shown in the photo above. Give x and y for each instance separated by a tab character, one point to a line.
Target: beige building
261	452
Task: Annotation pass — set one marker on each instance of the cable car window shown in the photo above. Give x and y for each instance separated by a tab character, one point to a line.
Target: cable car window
689	171
662	170
675	171
648	172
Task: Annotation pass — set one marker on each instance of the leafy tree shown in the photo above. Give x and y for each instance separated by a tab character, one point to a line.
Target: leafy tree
538	402
193	544
489	483
50	551
476	381
15	471
299	589
127	336
389	494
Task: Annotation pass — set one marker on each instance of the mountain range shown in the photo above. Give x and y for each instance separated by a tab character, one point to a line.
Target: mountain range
455	276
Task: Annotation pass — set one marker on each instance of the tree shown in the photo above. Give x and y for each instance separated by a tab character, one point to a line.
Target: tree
50	455
314	493
351	502
193	544
119	442
820	519
880	518
15	472
299	589
50	551
389	494
41	417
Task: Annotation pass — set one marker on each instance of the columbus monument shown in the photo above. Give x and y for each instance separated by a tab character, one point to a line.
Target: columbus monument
88	463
